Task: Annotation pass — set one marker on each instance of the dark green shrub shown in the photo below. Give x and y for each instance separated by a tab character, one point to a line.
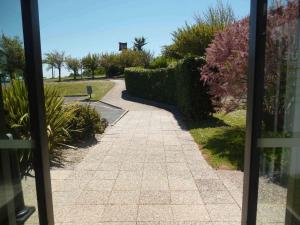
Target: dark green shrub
179	85
153	84
17	120
190	40
131	58
85	123
192	94
17	113
114	70
115	63
159	62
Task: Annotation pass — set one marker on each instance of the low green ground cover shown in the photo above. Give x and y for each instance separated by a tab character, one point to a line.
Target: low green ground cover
70	88
222	139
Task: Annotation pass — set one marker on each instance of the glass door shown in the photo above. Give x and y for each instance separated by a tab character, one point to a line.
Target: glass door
272	183
25	190
279	141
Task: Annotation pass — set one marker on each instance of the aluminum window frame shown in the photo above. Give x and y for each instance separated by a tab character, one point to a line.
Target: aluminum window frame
34	81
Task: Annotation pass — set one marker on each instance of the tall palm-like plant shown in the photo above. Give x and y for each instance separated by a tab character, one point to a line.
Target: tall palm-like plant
59	59
49	59
139	43
73	65
91	63
58	116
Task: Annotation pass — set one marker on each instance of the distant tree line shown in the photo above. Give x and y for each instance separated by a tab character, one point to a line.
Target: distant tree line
12	59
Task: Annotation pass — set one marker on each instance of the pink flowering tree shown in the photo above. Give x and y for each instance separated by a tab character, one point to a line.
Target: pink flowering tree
226	68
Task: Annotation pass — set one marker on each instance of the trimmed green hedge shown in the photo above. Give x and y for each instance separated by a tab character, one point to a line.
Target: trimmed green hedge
178	85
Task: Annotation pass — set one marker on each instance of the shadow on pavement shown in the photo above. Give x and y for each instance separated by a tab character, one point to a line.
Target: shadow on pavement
170	108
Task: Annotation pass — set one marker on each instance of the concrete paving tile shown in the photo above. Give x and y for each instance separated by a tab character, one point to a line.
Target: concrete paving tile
155	166
179	184
110	166
155	174
61	174
155	197
106	175
230	223
180	174
117	223
127	185
210	185
124	197
68	185
217	197
155	157
177	167
100	185
173	148
186	198
174	156
60	213
88	166
190	213
85	214
83	174
224	212
137	174
155	213
192	223
204	174
65	197
120	213
129	165
93	197
156	183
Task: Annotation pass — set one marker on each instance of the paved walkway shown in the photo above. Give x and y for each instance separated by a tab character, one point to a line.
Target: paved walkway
147	170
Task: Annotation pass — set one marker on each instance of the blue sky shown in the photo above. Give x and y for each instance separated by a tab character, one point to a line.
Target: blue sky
82	26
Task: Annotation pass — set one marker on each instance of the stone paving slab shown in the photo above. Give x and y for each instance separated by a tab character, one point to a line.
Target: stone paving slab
146	170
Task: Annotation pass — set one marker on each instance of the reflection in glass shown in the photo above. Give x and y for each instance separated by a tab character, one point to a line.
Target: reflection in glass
279	182
18	204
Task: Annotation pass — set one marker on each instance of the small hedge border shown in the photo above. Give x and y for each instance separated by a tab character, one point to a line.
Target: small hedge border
179	85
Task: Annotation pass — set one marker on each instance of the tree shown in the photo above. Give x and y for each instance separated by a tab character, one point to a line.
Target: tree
139	43
73	65
190	40
81	69
59	59
91	62
221	15
12	58
50	60
193	39
226	68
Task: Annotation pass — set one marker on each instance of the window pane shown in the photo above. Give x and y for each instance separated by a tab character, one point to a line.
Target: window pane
279	183
18	202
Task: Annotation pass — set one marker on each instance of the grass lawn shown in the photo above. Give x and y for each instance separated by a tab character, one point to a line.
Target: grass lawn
71	78
222	139
69	88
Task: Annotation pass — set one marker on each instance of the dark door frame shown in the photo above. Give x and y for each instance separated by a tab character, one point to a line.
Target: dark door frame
34	80
258	19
